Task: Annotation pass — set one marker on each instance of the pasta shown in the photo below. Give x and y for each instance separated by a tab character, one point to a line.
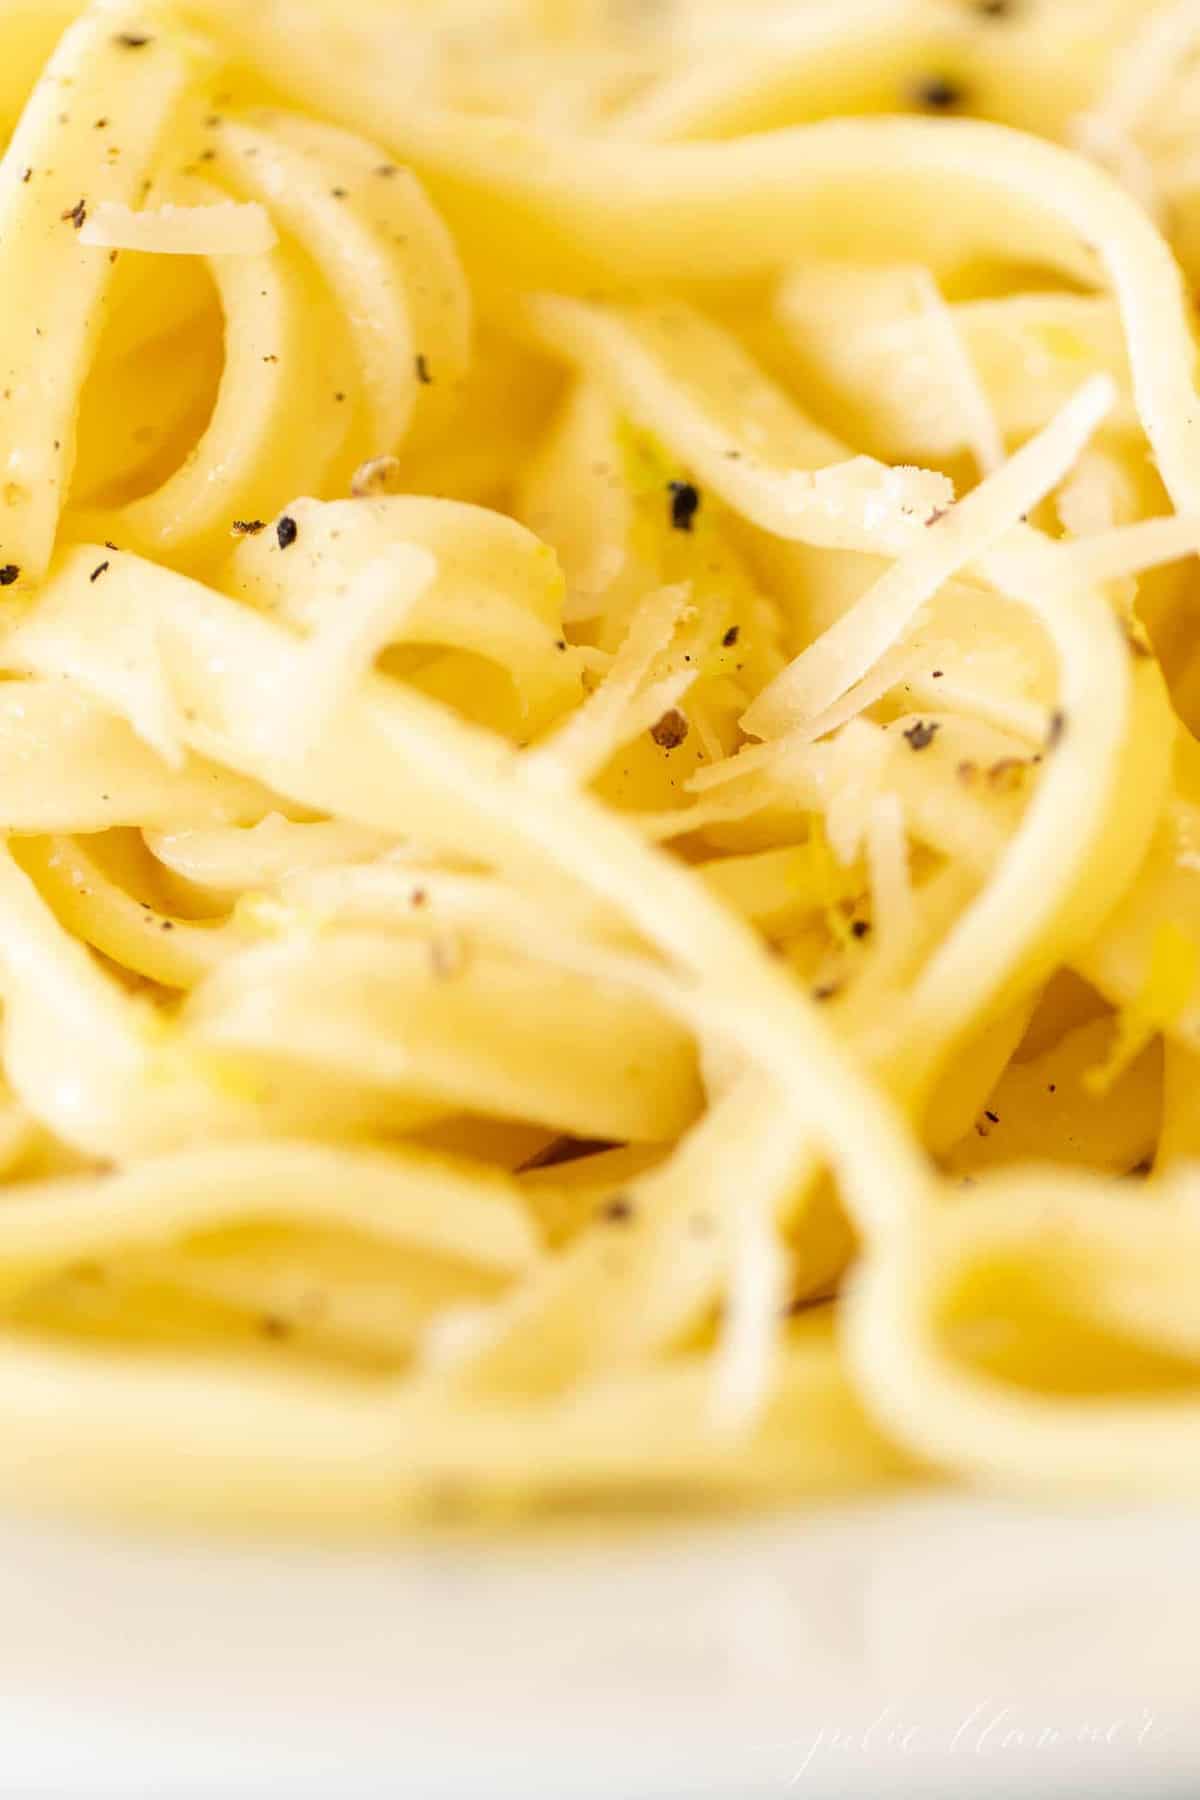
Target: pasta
600	883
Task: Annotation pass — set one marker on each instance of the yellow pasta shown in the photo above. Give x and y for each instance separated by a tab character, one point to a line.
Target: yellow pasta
600	809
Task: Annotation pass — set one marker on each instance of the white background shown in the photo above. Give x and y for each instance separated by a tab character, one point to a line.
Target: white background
929	1646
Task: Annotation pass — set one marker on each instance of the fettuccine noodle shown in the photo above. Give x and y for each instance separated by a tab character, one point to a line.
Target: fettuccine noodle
600	889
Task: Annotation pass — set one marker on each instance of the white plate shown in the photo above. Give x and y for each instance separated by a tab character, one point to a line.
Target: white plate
932	1646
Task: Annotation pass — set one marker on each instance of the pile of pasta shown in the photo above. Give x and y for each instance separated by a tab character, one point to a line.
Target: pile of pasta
600	882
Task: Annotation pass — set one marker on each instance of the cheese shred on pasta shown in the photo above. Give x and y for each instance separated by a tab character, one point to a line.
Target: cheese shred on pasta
600	880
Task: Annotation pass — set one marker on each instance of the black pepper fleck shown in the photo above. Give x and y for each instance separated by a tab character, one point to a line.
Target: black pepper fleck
132	40
422	368
249	527
671	730
1056	728
922	734
937	93
76	214
98	571
731	637
618	1210
685	504
287	531
8	574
